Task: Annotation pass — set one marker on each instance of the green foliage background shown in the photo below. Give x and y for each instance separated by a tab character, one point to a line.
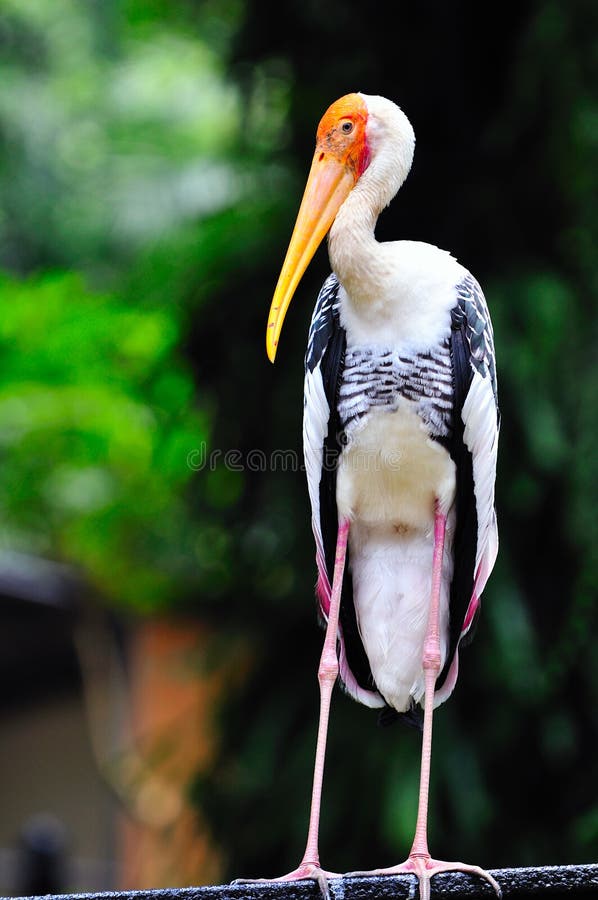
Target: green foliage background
151	159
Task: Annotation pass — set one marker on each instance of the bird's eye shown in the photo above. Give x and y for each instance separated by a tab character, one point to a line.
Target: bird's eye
347	127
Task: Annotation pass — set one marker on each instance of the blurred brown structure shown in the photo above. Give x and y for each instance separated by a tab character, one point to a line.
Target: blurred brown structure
164	841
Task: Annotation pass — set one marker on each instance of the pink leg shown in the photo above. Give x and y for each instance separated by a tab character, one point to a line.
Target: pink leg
419	861
327	675
431	667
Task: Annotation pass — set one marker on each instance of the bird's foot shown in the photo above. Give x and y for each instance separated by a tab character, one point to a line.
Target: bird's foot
424	867
305	870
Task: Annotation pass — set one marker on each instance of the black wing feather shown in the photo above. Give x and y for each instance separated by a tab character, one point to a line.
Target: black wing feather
471	350
326	345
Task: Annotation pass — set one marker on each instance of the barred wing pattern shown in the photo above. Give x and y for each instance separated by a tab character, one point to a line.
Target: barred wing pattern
474	449
375	377
324	362
481	420
316	415
473	310
324	321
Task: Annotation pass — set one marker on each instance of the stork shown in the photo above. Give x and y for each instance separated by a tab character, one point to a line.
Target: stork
400	439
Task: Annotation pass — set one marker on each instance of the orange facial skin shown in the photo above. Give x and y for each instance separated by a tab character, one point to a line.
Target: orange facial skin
351	149
342	155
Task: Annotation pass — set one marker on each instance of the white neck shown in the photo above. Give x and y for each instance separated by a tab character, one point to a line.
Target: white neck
353	249
356	257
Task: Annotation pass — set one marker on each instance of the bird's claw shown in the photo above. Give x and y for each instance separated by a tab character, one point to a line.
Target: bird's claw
305	870
424	868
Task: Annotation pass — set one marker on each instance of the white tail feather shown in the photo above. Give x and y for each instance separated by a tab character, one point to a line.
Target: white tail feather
392	582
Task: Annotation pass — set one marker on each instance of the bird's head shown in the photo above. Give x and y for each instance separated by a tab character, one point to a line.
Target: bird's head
359	138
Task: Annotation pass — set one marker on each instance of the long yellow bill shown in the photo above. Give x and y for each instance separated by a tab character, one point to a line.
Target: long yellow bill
330	181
